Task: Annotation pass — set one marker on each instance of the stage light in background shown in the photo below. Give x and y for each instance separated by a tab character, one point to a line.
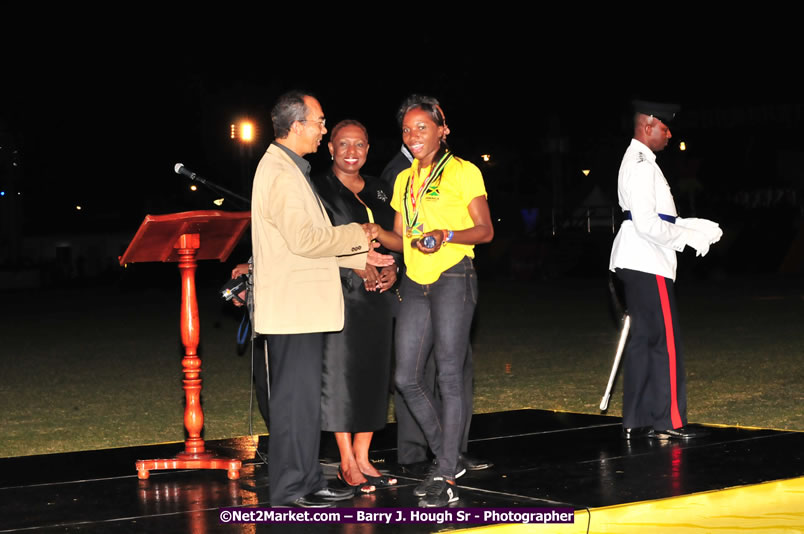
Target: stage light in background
244	131
682	146
586	172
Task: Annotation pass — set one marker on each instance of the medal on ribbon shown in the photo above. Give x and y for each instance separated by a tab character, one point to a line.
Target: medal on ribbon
411	231
428	187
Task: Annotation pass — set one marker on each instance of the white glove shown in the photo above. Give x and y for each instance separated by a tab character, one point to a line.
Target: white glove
699	241
709	228
715	236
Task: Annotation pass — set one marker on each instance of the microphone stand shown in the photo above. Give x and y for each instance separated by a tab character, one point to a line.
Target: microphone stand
218	189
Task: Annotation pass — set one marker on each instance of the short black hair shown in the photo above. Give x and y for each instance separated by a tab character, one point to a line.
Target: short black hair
289	108
428	104
347	122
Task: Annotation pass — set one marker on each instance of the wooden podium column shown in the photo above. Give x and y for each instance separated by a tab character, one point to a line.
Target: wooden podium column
194	456
187	246
178	237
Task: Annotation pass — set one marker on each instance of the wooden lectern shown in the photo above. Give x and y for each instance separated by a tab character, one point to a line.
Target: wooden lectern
186	238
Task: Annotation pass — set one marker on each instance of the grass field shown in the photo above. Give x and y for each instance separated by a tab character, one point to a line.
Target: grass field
97	367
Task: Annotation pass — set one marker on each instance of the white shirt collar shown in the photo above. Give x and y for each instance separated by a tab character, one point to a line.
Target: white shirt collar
641	147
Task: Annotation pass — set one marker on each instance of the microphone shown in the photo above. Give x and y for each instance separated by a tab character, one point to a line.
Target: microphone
181	169
184	171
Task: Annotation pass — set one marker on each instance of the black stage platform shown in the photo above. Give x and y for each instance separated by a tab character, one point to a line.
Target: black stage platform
542	459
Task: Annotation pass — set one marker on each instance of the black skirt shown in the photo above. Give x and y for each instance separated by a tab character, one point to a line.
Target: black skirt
357	362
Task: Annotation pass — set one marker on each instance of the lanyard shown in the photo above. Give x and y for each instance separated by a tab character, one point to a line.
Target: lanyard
413	200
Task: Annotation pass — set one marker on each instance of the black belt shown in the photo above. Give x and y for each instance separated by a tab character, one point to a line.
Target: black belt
662	216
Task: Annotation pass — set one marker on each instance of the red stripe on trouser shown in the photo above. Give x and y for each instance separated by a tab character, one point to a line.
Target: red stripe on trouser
675	417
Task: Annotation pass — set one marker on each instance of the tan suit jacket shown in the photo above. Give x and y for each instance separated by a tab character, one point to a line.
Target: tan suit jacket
297	252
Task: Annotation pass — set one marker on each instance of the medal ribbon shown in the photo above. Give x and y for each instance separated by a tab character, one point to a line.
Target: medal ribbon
412	201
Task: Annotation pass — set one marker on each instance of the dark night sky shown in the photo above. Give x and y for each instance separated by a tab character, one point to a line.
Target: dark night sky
102	114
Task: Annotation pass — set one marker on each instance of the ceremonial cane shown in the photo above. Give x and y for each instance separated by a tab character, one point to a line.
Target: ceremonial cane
604	404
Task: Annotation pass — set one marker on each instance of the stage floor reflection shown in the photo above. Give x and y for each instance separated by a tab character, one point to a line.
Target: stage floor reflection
541	459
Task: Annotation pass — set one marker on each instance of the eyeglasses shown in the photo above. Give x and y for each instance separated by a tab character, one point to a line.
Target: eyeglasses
321	124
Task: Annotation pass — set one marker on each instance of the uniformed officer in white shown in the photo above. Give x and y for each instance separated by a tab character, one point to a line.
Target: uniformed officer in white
644	258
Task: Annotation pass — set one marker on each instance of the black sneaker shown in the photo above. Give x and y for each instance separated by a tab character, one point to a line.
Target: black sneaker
439	493
421	489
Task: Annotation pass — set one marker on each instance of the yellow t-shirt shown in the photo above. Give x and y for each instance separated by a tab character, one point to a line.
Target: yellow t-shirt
445	207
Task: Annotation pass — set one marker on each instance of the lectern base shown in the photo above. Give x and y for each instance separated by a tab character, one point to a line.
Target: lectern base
183	461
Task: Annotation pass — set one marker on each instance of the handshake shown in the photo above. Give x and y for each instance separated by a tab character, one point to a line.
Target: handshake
703	234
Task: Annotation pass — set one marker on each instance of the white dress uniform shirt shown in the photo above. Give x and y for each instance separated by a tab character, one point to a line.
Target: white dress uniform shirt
647	243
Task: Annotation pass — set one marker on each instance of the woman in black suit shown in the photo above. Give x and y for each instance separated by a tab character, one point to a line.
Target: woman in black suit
357	360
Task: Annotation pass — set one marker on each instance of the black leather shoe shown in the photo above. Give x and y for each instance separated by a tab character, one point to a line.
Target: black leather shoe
637	432
684	433
311	501
334	494
469	463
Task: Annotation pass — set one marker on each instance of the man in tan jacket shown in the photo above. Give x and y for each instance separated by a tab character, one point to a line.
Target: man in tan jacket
297	292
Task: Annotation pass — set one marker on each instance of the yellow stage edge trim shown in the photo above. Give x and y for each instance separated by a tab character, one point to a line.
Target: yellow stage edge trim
769	507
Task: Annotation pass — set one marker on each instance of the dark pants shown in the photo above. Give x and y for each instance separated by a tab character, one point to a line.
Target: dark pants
294	469
261	378
410	441
437	316
654	385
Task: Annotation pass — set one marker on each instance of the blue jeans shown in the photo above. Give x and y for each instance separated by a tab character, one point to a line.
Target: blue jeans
437	316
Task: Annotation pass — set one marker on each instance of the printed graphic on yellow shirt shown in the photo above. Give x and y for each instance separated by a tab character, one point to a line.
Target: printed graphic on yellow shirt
432	190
